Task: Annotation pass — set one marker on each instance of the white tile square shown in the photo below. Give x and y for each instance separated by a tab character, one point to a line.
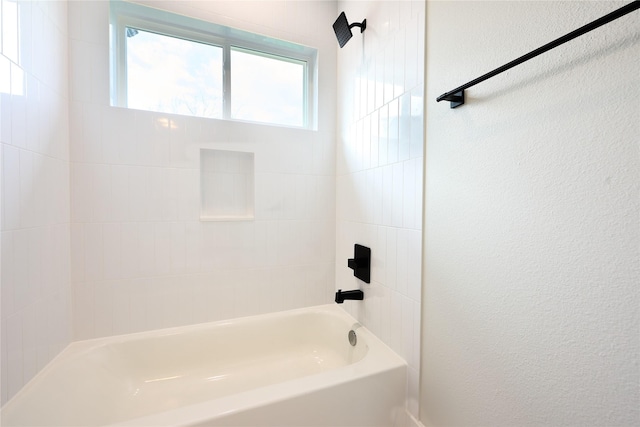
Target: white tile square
11	195
392	258
154	194
169	199
77	252
33	107
371	305
407	332
98	57
5	80
393	144
410	196
119	209
122	307
188	198
95	16
91	140
389	78
22	287
269	193
368	194
43	354
60	196
397	194
402	262
324	154
29	342
380	79
419	181
358	146
35	276
266	238
116	135
103	308
404	127
372	85
112	249
7	280
395	321
387	195
139	304
411	64
383	136
27	184
53	254
130	249
379	256
41	45
292	237
162	248
398	62
414	360
4	396
79	71
80	192
366	142
15	354
100	193
414	278
94	252
39	201
138	184
178	248
377	199
417	121
385	314
10	30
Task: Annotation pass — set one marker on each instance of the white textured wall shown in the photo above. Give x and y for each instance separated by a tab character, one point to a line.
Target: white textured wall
141	259
34	136
531	311
379	170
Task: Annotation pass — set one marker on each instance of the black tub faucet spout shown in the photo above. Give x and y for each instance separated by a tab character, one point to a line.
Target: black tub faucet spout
356	295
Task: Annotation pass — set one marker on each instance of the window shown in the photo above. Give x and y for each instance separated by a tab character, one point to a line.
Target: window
174	64
173	75
273	95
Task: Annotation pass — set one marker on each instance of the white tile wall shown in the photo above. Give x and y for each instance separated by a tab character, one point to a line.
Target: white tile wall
379	171
141	257
226	184
34	136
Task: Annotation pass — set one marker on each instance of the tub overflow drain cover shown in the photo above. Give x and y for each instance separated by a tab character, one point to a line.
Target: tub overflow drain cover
353	339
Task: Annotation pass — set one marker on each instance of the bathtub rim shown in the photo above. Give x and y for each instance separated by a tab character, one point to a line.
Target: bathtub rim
379	358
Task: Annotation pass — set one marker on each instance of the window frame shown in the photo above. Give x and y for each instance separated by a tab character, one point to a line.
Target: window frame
125	15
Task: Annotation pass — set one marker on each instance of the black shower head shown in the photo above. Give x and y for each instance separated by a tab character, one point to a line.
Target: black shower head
343	30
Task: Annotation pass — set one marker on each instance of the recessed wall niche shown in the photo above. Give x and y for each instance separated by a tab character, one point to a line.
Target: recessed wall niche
226	185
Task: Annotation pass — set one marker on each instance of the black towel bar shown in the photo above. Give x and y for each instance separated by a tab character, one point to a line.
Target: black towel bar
456	96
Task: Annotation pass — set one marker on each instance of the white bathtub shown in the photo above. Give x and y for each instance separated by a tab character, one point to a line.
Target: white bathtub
293	368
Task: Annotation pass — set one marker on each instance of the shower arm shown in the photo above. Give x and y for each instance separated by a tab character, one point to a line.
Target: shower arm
362	25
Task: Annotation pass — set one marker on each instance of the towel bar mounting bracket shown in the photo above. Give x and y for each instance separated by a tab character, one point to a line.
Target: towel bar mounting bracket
456	99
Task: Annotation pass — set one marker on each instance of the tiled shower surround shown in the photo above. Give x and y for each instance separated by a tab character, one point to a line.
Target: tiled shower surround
379	171
103	235
36	295
141	257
